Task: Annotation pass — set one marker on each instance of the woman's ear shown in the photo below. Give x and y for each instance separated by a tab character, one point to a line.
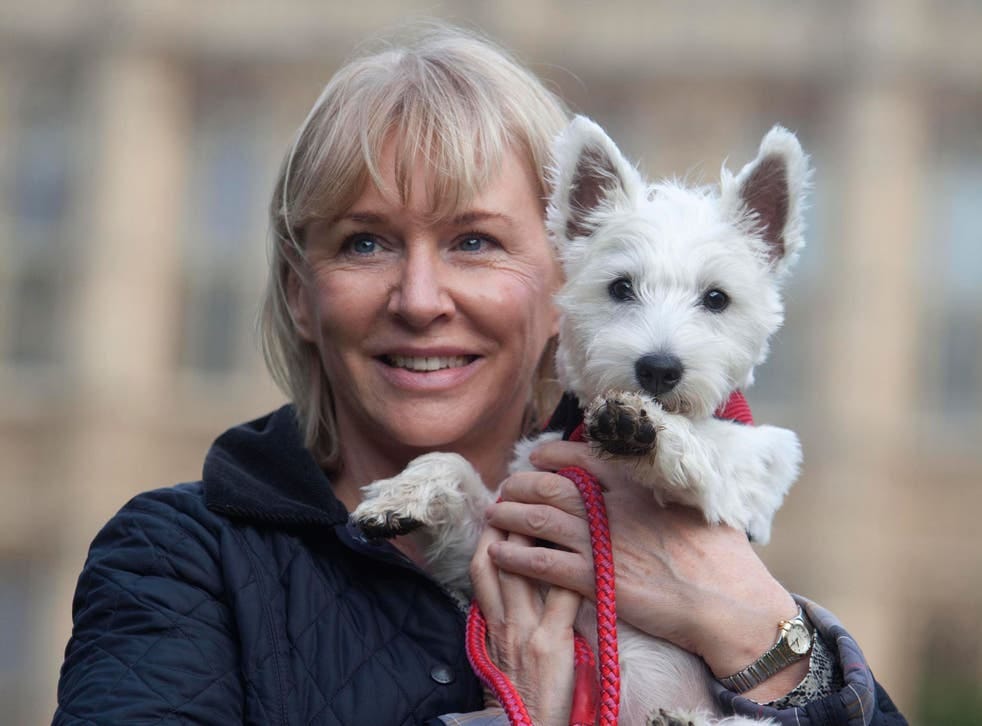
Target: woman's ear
299	303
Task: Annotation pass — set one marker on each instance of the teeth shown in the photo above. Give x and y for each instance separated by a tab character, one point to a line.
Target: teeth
430	363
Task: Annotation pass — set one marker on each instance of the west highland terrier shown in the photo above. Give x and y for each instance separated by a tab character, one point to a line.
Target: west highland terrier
671	294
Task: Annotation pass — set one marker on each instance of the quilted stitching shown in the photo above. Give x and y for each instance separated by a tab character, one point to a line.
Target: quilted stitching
140	638
184	616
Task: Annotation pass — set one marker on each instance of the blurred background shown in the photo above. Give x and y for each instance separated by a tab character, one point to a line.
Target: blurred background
138	145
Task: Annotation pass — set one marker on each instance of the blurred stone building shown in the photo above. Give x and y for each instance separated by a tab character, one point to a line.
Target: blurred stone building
138	144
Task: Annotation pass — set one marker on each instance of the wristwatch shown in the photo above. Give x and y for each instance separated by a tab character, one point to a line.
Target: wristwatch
794	642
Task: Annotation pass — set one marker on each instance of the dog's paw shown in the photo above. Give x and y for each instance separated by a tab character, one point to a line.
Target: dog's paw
383	524
428	493
390	508
620	424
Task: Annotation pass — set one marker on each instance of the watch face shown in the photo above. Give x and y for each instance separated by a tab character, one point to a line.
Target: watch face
798	638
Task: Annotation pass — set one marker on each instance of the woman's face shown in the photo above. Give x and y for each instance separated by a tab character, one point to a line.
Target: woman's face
430	333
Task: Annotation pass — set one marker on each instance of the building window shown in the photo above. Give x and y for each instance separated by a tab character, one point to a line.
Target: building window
953	270
39	184
225	239
961	321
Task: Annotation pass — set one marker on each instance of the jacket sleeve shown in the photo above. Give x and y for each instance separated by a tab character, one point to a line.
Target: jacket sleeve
860	702
152	639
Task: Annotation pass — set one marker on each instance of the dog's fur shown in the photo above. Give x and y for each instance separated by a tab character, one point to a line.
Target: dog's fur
654	354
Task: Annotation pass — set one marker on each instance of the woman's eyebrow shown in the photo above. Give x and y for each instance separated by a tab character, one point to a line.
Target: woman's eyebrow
361	218
479	215
461	220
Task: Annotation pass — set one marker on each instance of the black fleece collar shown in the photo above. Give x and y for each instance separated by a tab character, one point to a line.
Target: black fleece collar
261	471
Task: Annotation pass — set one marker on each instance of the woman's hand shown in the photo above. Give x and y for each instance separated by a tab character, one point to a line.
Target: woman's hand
530	636
701	587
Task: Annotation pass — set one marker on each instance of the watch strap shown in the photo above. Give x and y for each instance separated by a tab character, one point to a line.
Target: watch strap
777	658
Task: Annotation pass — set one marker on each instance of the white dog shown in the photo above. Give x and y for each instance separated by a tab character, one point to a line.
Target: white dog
670	297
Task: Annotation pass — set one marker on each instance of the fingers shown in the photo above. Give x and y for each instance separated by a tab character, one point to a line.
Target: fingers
542	522
569	570
530	637
519	595
560	608
536	487
503	594
556	455
484	576
543	506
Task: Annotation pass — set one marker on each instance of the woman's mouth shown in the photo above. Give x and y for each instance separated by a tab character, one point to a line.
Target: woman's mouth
425	364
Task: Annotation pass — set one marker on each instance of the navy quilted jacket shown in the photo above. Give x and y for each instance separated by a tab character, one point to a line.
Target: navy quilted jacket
245	598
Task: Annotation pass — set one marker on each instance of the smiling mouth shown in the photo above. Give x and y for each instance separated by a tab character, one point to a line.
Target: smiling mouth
425	364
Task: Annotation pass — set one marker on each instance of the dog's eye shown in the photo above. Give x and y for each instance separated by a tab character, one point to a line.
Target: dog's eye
621	289
715	301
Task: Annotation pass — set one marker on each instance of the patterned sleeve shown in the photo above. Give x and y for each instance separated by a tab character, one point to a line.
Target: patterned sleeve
824	677
846	695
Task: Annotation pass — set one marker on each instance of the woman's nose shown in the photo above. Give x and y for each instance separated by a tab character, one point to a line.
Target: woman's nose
421	294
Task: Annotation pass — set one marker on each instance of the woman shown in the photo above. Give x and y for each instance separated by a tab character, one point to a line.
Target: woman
409	310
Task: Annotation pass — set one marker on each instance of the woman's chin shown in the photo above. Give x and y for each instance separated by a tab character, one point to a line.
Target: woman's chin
442	428
437	437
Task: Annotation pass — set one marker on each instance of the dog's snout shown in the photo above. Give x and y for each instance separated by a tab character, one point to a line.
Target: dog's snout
658	372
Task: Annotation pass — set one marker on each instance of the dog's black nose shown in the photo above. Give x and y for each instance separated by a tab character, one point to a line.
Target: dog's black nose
658	372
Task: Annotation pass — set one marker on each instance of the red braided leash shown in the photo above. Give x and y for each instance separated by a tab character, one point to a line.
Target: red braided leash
603	567
584	710
487	671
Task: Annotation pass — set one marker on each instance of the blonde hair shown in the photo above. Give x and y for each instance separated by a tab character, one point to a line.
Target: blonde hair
446	96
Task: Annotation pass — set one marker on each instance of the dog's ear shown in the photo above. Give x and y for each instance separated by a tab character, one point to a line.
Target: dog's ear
589	174
769	194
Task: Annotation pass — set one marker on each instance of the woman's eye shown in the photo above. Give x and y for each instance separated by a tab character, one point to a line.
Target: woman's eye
362	244
474	243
